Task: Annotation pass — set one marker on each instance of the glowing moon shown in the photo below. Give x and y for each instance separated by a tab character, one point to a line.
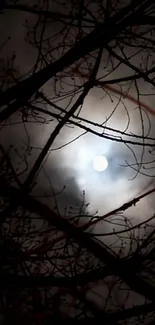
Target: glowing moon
100	163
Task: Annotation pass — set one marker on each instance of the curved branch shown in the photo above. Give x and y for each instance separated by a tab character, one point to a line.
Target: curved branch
113	263
104	33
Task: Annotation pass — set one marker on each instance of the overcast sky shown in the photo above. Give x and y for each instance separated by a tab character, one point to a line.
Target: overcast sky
72	165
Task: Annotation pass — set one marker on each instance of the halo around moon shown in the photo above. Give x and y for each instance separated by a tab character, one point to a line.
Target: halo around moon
100	163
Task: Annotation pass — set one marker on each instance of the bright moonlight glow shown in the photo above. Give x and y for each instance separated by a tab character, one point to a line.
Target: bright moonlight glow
100	163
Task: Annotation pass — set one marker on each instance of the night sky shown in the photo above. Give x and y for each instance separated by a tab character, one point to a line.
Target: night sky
72	164
68	168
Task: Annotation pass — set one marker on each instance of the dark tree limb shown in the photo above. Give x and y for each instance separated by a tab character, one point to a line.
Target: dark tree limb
115	264
23	91
88	85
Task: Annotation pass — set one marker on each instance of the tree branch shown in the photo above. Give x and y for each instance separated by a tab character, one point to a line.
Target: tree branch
102	33
113	263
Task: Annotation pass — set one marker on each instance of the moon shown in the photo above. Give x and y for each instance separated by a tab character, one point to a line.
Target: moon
100	163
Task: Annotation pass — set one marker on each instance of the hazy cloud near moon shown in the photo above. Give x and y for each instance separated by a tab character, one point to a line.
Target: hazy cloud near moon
71	166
